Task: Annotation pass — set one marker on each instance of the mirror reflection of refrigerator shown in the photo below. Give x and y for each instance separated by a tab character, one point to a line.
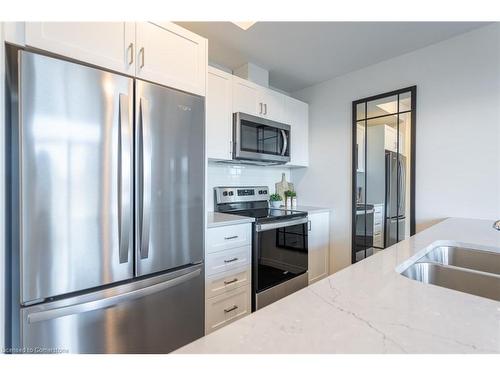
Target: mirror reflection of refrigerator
395	193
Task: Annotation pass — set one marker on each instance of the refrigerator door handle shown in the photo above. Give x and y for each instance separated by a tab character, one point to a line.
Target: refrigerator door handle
124	177
400	187
106	302
145	163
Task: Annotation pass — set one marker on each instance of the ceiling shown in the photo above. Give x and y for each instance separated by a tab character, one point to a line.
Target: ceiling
300	54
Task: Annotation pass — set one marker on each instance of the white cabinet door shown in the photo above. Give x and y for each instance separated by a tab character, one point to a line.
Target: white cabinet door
245	97
272	103
219	114
319	245
296	114
106	44
172	56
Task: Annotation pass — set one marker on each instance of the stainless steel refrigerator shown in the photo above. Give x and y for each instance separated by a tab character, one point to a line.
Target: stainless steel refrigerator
395	197
107	208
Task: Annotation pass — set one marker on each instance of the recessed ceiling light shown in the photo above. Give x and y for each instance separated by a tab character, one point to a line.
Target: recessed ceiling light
245	25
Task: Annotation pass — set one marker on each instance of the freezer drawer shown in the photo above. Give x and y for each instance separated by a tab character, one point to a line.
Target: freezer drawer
155	315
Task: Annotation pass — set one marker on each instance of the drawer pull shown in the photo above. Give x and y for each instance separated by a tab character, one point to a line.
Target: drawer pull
230	260
230	238
231	281
231	309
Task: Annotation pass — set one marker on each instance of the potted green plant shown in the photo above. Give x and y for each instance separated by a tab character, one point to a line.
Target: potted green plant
275	200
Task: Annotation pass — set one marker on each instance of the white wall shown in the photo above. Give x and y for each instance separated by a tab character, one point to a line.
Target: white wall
219	174
458	132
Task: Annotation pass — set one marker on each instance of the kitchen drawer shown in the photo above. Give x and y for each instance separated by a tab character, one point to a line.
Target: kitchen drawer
378	209
227	260
377	228
228	237
378	240
227	307
227	281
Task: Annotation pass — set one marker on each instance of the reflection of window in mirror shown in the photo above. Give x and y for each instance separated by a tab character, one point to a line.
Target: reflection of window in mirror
383	171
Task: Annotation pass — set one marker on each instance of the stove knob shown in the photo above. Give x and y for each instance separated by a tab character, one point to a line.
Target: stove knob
231	193
264	192
224	193
261	192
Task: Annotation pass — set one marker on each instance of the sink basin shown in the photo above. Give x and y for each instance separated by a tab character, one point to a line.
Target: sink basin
473	259
476	283
460	268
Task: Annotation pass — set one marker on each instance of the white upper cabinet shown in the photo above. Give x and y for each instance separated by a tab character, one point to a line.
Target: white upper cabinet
219	114
296	114
245	96
271	104
105	44
162	53
172	56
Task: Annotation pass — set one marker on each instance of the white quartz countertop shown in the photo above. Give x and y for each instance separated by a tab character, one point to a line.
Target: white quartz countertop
312	209
218	219
370	308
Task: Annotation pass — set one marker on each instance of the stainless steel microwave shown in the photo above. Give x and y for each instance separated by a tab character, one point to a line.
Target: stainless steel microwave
260	140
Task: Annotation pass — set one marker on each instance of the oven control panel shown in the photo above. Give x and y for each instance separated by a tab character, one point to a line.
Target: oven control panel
241	194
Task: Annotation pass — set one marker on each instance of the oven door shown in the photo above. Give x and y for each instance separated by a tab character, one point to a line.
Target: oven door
280	253
260	139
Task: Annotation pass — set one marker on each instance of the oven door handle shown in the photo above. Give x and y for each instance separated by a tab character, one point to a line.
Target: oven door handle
280	224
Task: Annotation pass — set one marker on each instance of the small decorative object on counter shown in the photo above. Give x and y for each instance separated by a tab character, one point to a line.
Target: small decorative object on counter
291	199
275	200
283	186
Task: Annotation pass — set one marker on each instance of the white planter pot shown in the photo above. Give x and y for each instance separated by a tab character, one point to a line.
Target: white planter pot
275	204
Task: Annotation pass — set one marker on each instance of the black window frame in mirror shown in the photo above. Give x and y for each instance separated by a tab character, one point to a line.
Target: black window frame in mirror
413	113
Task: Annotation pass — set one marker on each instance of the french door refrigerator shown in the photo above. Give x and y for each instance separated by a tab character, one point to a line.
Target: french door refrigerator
395	197
108	210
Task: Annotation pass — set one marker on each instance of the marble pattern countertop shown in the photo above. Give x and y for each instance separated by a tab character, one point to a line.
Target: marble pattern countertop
370	308
218	219
312	209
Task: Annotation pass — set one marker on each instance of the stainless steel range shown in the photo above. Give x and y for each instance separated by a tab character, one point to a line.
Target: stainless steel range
279	243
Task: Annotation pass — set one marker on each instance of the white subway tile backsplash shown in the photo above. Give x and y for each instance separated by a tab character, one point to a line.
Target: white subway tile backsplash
220	174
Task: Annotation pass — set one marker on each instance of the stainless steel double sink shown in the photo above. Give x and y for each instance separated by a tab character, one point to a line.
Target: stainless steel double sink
464	269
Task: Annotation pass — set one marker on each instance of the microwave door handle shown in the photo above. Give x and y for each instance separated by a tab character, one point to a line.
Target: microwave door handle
285	142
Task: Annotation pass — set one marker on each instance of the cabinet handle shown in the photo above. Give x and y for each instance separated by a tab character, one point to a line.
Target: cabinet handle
231	309
231	281
260	108
230	260
230	238
309	225
265	108
141	51
131	53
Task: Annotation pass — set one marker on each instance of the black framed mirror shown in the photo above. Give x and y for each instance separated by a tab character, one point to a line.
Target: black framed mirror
383	170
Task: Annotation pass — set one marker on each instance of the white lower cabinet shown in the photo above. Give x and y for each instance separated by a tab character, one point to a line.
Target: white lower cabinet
318	245
226	308
227	260
227	275
227	281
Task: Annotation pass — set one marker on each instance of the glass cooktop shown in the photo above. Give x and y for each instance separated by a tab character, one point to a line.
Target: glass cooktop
269	214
